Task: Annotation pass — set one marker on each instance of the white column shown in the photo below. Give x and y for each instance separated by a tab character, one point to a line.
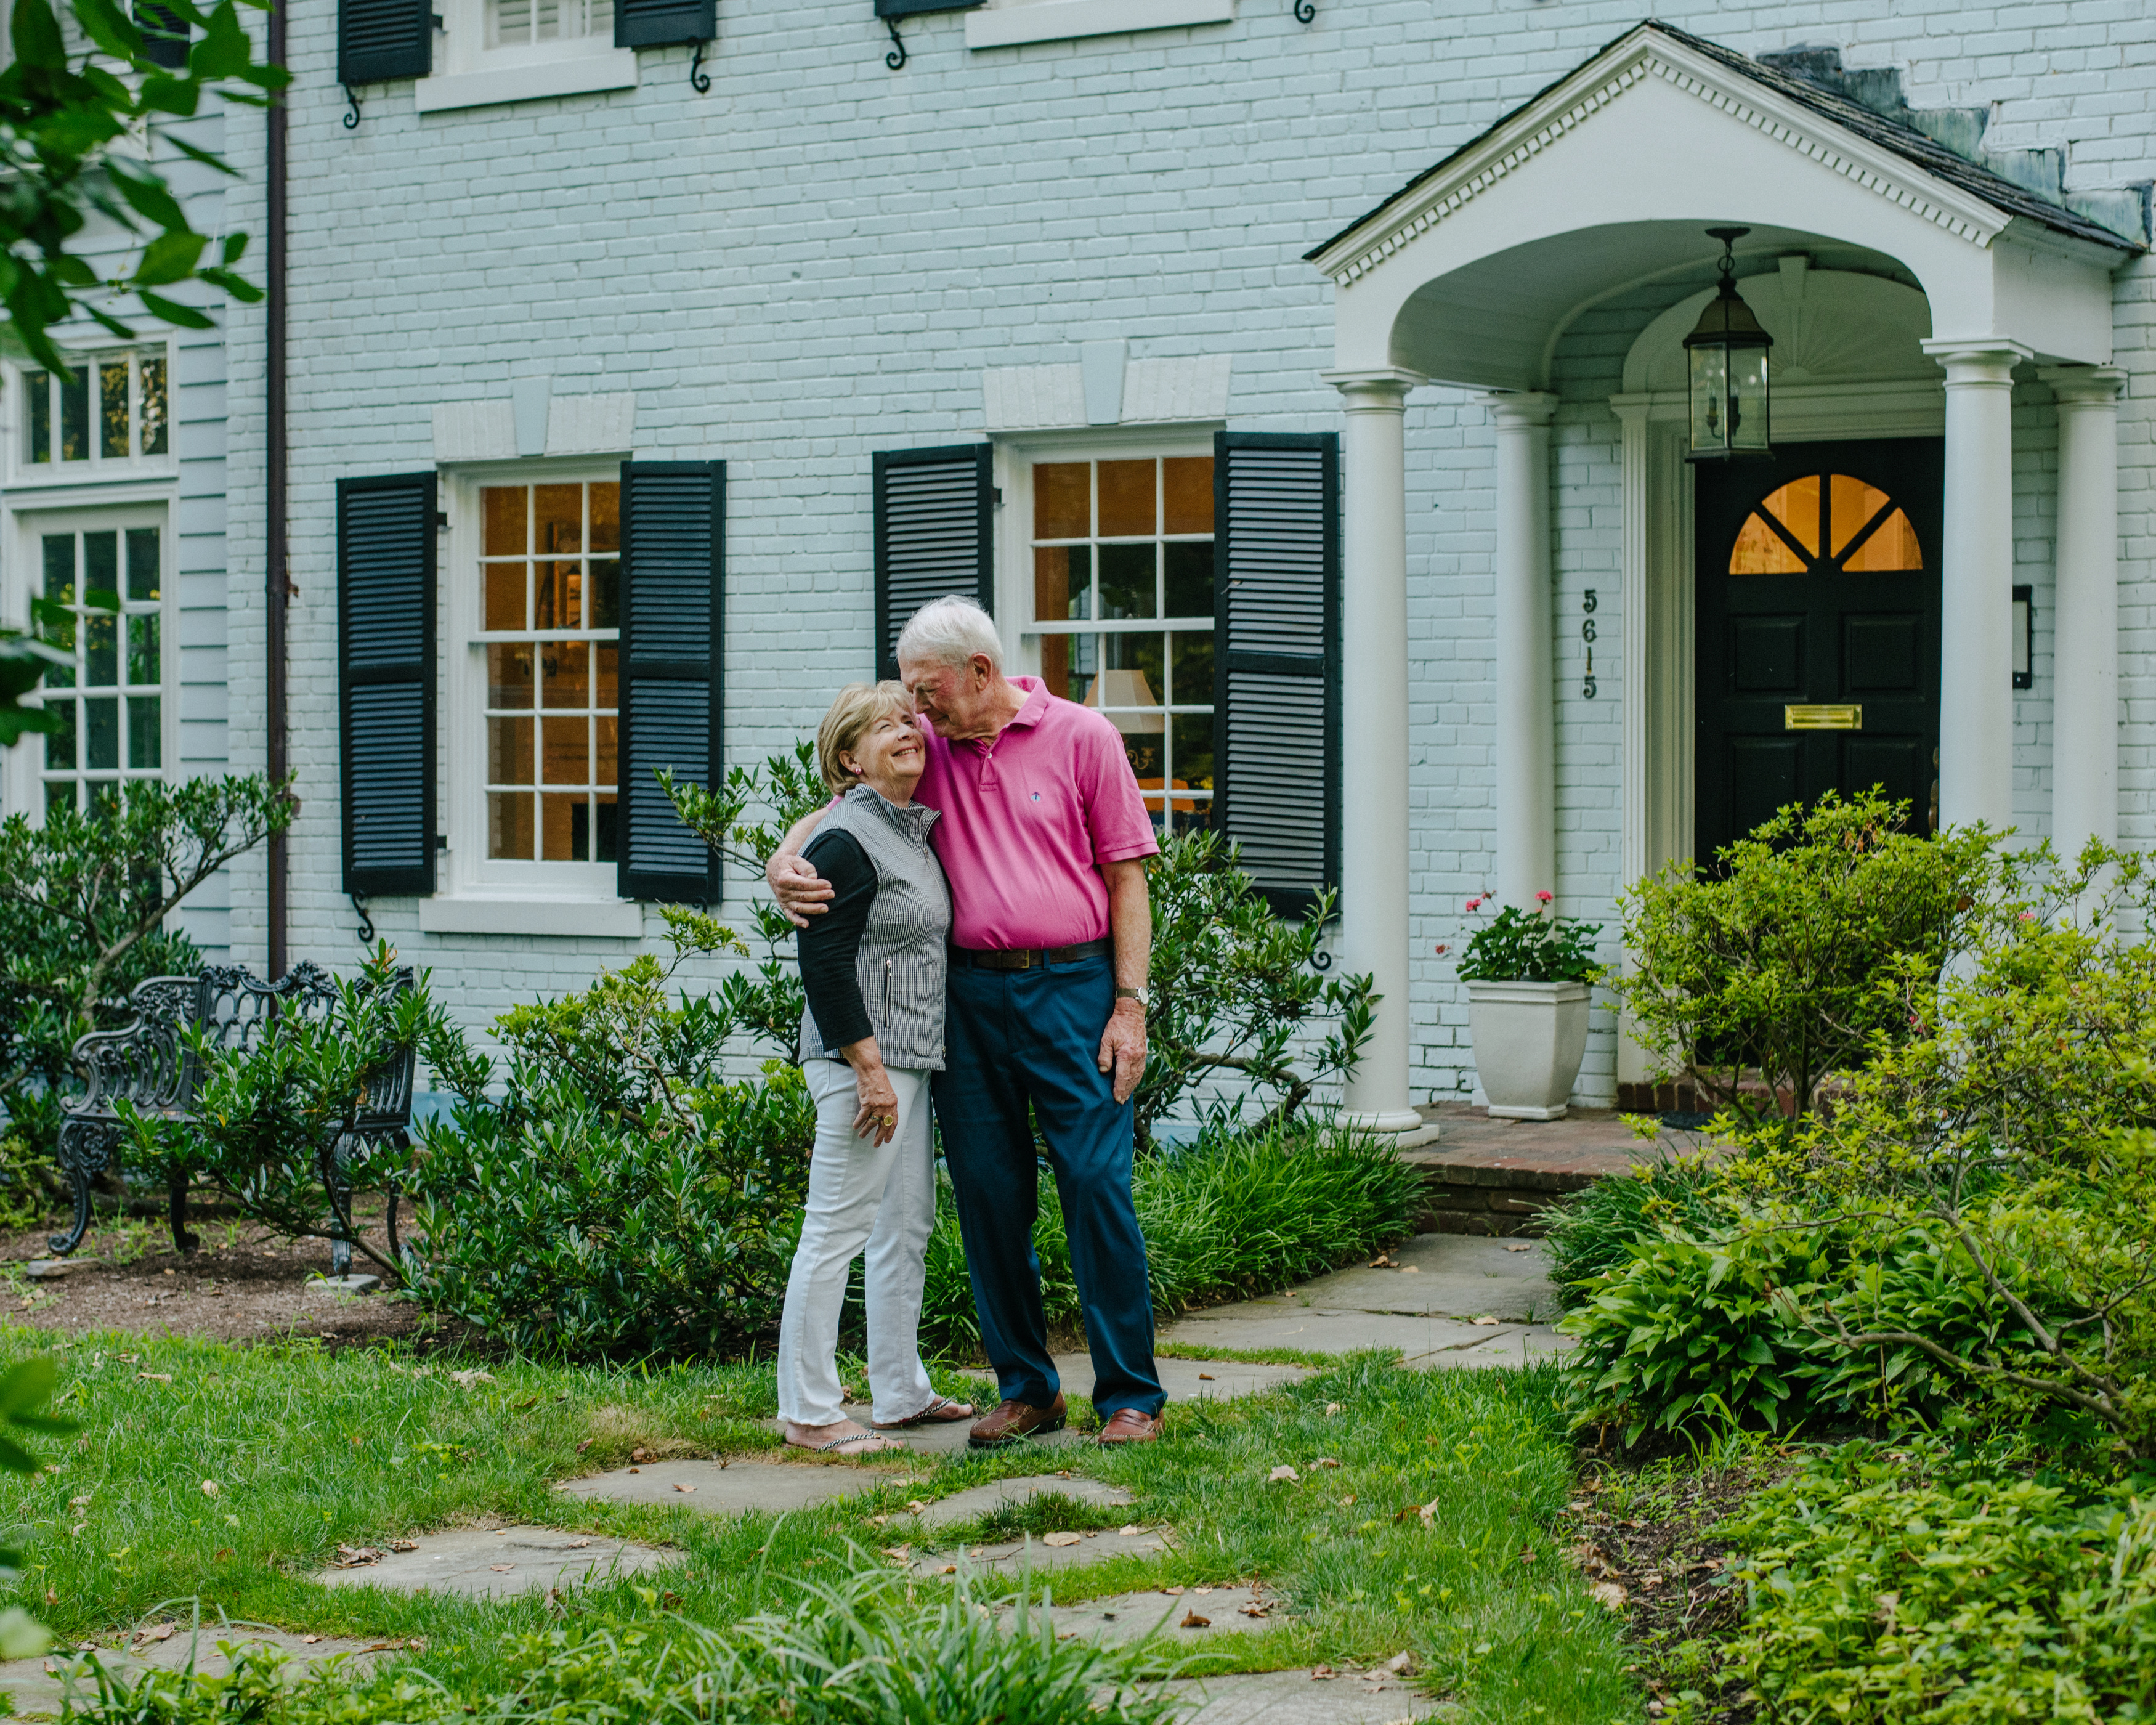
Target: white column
1373	790
1526	752
1976	561
2085	683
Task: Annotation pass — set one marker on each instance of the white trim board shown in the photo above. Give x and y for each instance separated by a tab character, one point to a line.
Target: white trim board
1066	20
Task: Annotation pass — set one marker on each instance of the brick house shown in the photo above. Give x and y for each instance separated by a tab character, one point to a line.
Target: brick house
1304	385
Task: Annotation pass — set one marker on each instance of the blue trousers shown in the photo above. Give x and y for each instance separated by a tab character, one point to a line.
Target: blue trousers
1019	1037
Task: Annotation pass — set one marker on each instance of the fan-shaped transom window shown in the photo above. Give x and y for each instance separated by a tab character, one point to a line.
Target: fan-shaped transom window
1827	524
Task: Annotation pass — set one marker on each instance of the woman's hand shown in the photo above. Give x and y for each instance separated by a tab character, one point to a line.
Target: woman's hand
876	1116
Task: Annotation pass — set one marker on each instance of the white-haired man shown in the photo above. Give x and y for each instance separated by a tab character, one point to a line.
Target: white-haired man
1043	837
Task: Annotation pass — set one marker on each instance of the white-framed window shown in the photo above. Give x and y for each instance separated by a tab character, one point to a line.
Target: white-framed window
534	583
1120	547
514	51
115	698
1007	23
113	416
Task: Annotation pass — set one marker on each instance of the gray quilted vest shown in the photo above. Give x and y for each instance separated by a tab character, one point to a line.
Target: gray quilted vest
901	964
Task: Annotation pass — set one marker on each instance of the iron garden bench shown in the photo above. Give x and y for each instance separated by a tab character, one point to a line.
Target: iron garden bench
153	1064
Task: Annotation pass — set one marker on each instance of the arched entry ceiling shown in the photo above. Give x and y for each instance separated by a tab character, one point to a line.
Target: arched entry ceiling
1609	177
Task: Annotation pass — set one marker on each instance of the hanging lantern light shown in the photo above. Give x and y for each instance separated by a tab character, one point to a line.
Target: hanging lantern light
1727	354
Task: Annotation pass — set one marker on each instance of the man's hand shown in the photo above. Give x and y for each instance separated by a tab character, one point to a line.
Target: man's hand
1123	1048
800	891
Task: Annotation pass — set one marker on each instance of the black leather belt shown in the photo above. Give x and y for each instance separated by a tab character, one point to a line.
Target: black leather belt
1031	958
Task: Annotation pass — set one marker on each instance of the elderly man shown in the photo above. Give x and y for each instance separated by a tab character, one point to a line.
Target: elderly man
1044	836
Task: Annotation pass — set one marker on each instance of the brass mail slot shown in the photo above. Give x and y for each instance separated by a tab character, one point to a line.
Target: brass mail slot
1822	718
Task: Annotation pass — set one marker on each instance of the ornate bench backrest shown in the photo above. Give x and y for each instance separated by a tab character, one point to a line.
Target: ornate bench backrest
146	1062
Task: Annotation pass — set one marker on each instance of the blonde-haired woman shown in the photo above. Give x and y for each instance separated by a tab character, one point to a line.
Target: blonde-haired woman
872	969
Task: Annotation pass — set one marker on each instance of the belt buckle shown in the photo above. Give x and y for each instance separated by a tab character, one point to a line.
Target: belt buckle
1024	959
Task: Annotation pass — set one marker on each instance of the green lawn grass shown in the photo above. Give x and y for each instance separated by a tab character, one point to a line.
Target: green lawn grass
306	1451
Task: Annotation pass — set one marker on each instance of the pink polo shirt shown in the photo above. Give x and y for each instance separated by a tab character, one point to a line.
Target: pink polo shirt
1028	819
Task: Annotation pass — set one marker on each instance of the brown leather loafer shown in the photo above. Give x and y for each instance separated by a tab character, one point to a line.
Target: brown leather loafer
1013	1420
1127	1425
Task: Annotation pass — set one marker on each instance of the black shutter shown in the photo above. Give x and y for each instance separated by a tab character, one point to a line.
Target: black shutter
164	35
932	536
381	39
662	24
1277	660
386	671
673	535
915	8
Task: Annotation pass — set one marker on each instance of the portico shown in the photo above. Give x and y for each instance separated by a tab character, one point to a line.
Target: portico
1903	286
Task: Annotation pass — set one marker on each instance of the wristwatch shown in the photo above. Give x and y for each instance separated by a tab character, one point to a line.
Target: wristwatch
1143	997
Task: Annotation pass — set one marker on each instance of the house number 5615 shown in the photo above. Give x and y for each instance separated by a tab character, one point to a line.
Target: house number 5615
1586	634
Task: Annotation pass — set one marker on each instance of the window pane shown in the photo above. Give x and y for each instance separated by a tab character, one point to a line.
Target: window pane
565	827
145	567
1761	551
142	655
101	732
566	669
1126	583
509	676
100	563
100	651
1850	503
1060	574
509	751
1056	666
1127	498
112	442
604	849
610	688
1193	751
1191	684
153	406
74	416
59	567
1062	500
1892	549
502	517
606	767
60	796
509	827
505	596
566	751
1188	570
146	741
60	744
605	579
37	387
1796	506
554	596
557	518
606	507
1187	493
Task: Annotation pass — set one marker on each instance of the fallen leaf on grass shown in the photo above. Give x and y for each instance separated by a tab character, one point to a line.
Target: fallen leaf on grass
1486	1320
678	1486
1332	1408
1410	1269
357	1557
586	1444
1384	1261
311	1640
1323	1673
898	1553
222	1553
1325	1462
466	1380
1610	1592
1059	1539
914	1506
948	1569
640	1454
1283	1472
501	1569
1191	1620
403	1545
1129	1530
1511	1248
156	1377
1399	1662
1173	1593
77	1528
1256	1608
1348	1501
1205	1377
210	1488
157	1632
1207	1590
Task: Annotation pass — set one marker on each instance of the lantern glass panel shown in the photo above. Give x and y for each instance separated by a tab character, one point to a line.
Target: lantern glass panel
1710	405
1747	400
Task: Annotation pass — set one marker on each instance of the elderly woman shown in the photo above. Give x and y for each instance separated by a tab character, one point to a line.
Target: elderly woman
873	970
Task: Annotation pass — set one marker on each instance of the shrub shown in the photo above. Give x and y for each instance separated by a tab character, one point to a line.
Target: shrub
1596	1230
1889	1588
1783	955
84	897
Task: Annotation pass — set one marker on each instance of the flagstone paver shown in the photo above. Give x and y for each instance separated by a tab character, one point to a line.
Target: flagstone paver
731	1487
501	1563
1294	1699
945	1439
978	1501
1188	1617
1012	1556
35	1685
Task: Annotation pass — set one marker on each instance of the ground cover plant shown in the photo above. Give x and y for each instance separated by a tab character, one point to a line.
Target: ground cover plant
306	1451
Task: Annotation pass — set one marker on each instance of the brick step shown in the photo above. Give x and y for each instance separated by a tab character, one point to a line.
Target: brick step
1495	1177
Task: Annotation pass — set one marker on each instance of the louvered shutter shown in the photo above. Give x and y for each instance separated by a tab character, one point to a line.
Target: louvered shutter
381	39
1276	658
662	24
933	509
673	533
386	671
164	35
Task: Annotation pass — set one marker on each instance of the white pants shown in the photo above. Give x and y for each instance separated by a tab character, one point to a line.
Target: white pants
863	1197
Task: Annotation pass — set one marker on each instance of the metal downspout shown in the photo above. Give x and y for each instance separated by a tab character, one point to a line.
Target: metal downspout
276	559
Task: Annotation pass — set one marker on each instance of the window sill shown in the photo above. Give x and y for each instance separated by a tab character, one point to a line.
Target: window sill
599	919
1063	20
609	68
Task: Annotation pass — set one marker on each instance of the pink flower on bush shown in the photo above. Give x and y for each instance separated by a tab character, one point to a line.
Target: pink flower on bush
1543	898
1442	949
1474	904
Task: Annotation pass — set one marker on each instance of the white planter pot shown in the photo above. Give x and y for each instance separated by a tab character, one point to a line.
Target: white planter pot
1529	1039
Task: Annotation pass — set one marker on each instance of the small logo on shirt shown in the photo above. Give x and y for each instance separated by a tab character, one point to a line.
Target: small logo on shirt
1036	796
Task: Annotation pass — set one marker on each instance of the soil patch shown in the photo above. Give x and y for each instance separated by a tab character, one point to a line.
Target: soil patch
242	1283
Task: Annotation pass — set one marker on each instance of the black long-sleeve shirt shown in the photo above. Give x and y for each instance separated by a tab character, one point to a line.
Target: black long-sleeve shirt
830	942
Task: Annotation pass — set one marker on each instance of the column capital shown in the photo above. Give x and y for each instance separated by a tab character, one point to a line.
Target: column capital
1519	407
1977	360
1382	391
2085	385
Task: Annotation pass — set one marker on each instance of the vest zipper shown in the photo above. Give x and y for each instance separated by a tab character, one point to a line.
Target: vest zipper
886	993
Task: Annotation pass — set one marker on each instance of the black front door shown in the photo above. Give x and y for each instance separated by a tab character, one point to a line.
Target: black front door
1819	631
